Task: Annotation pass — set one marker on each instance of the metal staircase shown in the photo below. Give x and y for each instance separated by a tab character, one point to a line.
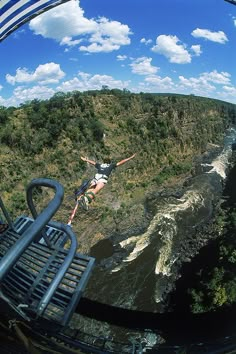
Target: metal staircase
42	277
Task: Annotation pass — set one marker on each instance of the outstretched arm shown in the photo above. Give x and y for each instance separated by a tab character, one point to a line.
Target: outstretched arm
87	160
125	160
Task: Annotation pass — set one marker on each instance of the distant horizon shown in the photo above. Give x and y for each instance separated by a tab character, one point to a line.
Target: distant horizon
142	46
125	90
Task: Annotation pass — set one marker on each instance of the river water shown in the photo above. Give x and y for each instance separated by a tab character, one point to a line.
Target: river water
140	271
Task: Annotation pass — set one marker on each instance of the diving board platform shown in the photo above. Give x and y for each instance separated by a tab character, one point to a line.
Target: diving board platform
42	276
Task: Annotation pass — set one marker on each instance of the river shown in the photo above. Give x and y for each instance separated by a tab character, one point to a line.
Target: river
138	292
140	271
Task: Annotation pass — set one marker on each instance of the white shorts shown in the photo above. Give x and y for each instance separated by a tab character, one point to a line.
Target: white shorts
99	178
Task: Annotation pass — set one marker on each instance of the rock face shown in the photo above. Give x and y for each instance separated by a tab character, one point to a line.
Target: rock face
137	267
167	133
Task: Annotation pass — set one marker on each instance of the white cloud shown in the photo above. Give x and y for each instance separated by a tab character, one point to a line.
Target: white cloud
228	93
230	90
106	47
121	57
195	85
142	66
202	85
49	73
169	46
27	94
157	80
221	78
218	37
85	82
71	85
3	102
155	83
109	36
146	41
22	95
158	84
66	22
1	87
70	42
196	49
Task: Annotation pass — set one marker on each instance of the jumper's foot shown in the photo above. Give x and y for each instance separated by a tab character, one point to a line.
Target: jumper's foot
83	201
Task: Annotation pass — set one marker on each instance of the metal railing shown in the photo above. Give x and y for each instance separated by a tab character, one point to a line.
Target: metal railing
14	253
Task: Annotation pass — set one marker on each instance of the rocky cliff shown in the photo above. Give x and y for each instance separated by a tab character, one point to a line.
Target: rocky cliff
47	138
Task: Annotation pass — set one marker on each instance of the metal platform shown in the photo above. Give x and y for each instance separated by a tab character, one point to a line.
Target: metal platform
41	274
54	235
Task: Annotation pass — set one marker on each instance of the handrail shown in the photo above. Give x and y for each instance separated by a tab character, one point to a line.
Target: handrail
63	269
14	253
44	182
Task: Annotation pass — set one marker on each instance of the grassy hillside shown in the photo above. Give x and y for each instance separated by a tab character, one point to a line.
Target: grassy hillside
47	138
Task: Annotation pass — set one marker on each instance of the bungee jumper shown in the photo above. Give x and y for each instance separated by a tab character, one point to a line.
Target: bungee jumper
85	194
100	179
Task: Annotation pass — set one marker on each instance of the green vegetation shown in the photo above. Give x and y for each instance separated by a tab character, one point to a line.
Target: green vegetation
172	170
216	285
46	139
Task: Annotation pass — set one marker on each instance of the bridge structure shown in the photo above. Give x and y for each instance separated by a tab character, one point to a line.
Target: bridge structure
42	280
231	1
42	276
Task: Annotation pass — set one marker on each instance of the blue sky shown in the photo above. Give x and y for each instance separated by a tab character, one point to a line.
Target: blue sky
178	46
